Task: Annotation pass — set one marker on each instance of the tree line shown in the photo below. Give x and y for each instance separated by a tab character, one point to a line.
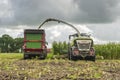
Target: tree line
59	48
10	45
14	45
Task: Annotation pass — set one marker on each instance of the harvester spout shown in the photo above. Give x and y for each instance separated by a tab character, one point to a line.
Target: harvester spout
60	21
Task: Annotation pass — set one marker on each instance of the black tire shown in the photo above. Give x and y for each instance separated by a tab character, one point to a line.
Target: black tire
90	58
71	56
25	56
43	55
94	58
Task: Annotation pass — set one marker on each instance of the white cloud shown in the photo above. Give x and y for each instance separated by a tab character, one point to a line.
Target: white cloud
84	29
56	33
61	32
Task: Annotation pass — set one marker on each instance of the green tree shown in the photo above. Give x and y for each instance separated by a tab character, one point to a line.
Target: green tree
8	44
65	47
1	43
59	47
16	45
5	43
54	47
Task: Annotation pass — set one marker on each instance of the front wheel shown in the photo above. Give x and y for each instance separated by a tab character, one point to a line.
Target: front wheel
90	58
71	56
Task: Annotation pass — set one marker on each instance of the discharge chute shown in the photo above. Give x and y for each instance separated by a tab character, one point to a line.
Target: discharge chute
60	21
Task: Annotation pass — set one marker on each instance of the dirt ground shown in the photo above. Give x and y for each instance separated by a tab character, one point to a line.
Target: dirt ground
59	69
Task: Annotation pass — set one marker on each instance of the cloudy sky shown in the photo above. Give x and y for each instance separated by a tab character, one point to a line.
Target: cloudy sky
101	18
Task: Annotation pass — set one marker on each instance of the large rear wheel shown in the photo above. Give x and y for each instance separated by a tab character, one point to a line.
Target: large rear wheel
43	55
93	58
25	56
70	55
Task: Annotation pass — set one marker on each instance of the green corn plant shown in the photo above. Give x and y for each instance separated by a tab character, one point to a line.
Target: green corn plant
108	51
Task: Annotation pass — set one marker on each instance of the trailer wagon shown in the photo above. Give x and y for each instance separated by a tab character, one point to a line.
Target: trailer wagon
34	43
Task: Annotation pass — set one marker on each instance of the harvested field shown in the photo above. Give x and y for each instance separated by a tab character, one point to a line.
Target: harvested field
15	68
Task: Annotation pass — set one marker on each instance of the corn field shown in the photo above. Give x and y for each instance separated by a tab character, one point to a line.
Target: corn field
108	51
13	67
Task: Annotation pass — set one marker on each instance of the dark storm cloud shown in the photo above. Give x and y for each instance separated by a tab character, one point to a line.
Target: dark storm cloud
97	11
32	12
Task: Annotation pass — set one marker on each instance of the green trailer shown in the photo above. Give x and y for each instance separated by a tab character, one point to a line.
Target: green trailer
34	43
